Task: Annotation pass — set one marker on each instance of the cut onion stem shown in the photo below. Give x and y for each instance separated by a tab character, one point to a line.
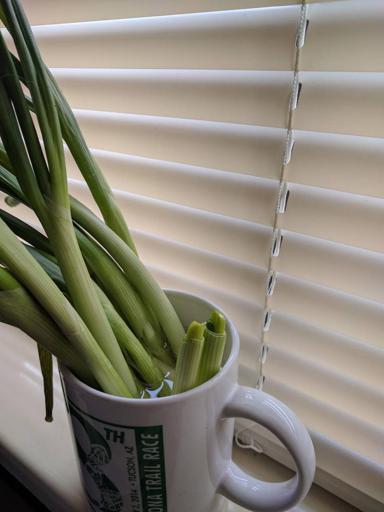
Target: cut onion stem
188	360
214	345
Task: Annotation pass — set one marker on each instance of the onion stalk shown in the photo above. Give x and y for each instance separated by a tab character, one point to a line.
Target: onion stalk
46	367
18	308
89	299
188	361
22	265
214	345
58	224
141	360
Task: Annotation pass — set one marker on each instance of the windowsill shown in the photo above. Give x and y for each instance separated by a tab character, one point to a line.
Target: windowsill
265	468
30	450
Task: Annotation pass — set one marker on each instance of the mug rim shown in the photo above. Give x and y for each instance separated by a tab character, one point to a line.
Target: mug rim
202	388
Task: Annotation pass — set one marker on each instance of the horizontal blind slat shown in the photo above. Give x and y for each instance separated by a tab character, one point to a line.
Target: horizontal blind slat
232	147
347	430
341	162
342	313
246	39
241	312
232	194
250	97
230	237
343	392
341	217
350	103
346	355
44	12
350	433
334	102
343	267
211	269
345	36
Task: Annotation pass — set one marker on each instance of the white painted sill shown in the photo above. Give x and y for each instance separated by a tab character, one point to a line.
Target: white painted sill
42	457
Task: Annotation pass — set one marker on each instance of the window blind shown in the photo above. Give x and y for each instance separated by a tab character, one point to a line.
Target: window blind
244	142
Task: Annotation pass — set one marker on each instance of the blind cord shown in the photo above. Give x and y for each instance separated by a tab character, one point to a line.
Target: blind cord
242	437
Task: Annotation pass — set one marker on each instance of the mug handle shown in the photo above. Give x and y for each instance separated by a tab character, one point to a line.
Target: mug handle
256	495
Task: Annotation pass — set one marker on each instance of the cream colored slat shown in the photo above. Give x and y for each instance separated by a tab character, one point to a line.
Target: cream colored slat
345	36
350	431
342	313
343	267
343	392
251	97
354	434
213	270
318	159
246	39
250	150
341	217
230	237
341	162
350	103
245	197
340	354
243	313
45	11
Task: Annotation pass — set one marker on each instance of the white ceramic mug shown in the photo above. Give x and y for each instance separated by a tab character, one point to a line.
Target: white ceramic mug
173	454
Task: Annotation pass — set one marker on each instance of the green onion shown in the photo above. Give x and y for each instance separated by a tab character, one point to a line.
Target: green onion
11	201
14	255
165	390
9	184
87	165
19	309
4	160
90	169
18	156
141	360
135	271
58	224
87	297
110	276
27	127
46	366
188	360
48	263
27	232
140	278
122	295
214	345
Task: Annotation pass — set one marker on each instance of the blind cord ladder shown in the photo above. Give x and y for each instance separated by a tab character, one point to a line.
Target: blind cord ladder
244	436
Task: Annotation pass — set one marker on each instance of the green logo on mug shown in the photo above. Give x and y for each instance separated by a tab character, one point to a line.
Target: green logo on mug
123	466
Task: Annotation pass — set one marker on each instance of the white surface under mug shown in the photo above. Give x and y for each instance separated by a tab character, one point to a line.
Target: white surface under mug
173	454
